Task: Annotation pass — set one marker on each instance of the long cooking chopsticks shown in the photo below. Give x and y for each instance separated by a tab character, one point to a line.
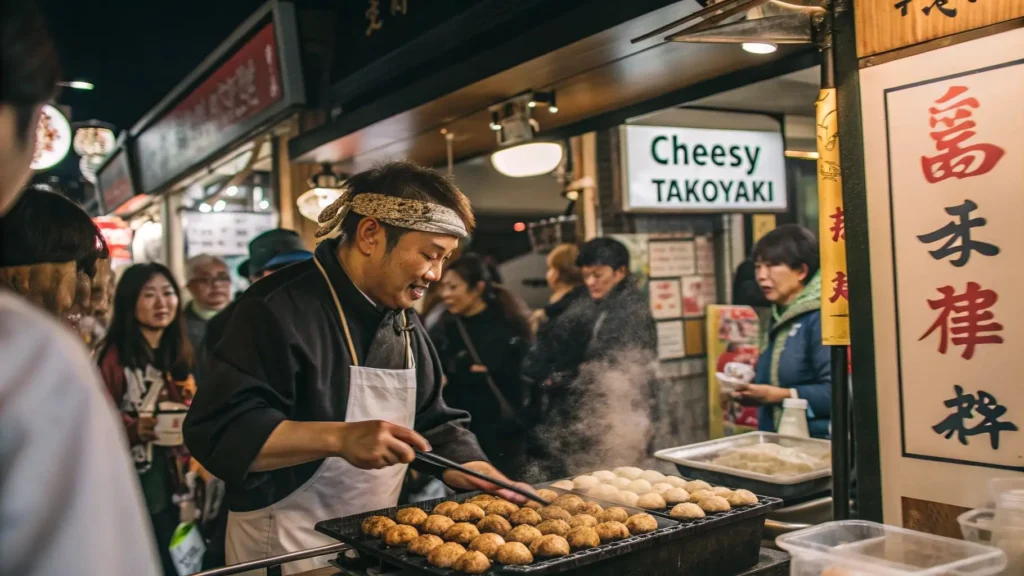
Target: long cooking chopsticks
436	460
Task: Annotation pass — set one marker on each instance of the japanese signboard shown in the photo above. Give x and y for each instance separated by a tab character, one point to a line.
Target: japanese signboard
672	258
884	25
835	300
224	233
115	181
943	158
666	298
670	169
218	111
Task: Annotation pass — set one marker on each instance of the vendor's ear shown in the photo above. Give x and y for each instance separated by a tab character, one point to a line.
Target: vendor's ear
369	234
802	273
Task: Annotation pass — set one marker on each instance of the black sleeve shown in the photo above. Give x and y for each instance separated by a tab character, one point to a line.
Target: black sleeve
248	389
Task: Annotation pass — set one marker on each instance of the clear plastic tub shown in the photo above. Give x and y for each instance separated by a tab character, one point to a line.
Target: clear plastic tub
979	526
859	548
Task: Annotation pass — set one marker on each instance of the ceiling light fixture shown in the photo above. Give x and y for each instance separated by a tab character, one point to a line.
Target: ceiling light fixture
759	47
77	85
519	154
324	188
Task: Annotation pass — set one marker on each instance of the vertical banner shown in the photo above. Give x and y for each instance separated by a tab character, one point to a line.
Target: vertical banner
732	337
835	304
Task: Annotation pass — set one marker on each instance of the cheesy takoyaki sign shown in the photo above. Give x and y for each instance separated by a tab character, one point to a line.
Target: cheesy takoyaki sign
702	170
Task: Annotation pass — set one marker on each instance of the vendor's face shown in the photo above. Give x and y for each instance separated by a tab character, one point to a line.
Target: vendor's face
779	283
601	279
409	267
157	304
458	297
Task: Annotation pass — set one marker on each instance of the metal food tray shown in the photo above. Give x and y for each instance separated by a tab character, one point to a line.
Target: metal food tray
722	543
694	461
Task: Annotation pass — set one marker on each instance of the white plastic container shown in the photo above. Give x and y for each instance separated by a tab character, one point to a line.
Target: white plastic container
794	418
859	548
978	526
168	424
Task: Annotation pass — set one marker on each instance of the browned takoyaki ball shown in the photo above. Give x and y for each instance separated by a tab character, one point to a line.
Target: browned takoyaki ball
554	513
445	508
582	538
494	524
514	554
376	526
462	533
488	544
614	514
482	500
399	536
741	497
641	524
502	508
437	524
411	517
472	562
714	504
560	527
525	516
524	534
582	520
423	544
546	494
571	503
468	513
445	555
592	508
611	531
550	546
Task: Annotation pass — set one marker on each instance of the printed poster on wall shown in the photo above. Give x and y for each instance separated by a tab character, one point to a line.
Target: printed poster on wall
705	254
666	299
945	195
731	337
693	296
224	233
671	343
672	258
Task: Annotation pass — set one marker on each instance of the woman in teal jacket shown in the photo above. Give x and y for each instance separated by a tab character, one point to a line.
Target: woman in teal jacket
793	362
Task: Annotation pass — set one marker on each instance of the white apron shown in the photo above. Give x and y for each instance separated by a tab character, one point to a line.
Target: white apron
337	488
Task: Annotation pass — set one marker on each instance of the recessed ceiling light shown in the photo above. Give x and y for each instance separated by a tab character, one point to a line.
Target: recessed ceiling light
759	47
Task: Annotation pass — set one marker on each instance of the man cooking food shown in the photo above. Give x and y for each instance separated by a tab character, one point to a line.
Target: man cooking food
324	382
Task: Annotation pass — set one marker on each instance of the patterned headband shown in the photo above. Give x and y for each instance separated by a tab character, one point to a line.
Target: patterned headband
400	212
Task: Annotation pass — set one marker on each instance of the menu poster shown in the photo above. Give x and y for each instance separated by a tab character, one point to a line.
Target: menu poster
666	299
672	258
732	337
671	344
710	289
693	296
705	255
224	233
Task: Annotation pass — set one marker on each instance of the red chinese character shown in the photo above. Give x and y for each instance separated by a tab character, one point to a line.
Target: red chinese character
840	289
969	316
955	160
838	228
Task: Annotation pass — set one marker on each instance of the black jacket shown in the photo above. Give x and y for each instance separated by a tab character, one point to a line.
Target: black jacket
283	357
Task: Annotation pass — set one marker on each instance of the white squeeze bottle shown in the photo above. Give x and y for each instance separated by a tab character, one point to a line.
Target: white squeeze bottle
794	418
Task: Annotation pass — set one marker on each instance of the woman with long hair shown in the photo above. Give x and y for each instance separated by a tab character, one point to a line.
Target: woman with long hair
145	362
481	340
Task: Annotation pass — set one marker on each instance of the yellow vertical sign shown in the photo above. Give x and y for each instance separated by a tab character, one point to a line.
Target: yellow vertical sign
835	304
761	225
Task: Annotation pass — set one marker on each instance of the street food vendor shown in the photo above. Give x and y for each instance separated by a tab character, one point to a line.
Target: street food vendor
324	381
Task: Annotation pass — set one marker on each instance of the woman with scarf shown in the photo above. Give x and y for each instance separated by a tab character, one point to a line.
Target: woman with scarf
793	362
145	362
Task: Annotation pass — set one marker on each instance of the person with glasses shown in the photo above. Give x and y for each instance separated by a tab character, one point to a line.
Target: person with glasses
209	283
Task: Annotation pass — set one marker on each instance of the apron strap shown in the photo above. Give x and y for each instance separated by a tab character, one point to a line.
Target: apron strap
341	313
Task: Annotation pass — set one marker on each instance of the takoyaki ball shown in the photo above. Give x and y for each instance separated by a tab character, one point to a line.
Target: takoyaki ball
641	524
582	520
611	531
570	503
585	481
618	482
445	555
582	538
482	500
525	516
638	486
488	544
722	491
629	472
560	527
627	498
564	485
651	501
741	497
550	546
604	475
524	534
554	513
445	508
714	504
422	545
699	495
437	524
546	494
472	562
376	526
675	481
686	511
493	524
676	495
694	485
661	487
604	491
514	554
652	476
399	536
615	514
591	508
468	513
411	517
461	533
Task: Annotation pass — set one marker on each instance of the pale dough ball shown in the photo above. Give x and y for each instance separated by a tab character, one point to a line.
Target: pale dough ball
628	472
604	492
652	476
584	482
627	498
676	495
694	485
722	491
661	487
699	495
742	498
604	475
618	482
687	511
564	485
714	504
675	481
651	501
638	486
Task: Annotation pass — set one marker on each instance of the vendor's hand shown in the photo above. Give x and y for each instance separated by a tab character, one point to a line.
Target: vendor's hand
759	394
144	426
377	444
457	479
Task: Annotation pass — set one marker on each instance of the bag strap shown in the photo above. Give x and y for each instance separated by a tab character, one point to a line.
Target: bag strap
504	405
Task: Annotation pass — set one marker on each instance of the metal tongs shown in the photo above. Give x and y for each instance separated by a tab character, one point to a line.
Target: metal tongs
447	464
